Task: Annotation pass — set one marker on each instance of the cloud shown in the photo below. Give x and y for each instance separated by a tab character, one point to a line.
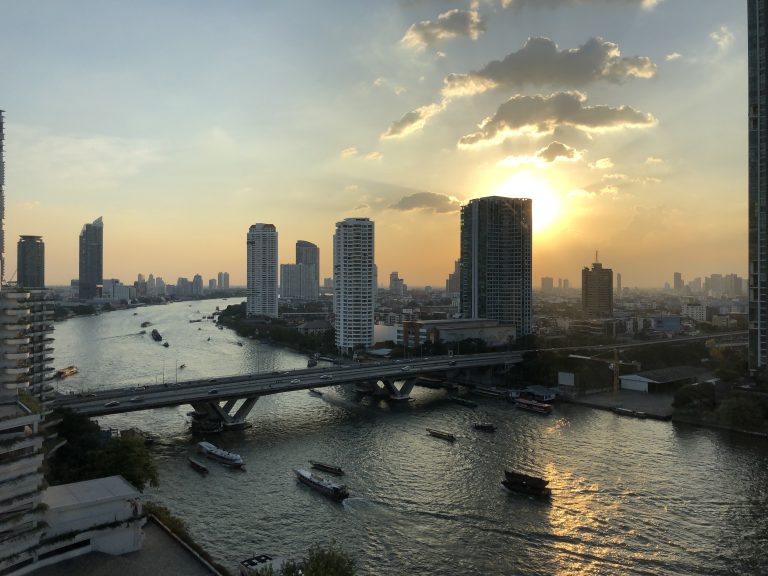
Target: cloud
427	201
645	4
452	24
602	164
541	115
374	156
722	37
541	63
384	83
348	152
652	160
553	152
413	121
673	56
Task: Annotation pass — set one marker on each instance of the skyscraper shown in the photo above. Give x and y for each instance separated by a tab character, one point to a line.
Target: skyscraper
354	283
223	281
308	255
262	270
91	259
757	52
30	262
496	257
597	291
453	283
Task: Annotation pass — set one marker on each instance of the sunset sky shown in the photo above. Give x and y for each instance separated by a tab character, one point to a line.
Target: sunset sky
182	123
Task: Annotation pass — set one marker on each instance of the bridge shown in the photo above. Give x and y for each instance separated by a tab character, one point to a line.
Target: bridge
227	400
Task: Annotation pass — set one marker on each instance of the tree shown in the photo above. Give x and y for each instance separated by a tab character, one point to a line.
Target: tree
328	560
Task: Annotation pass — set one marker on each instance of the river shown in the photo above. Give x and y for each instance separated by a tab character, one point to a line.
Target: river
629	496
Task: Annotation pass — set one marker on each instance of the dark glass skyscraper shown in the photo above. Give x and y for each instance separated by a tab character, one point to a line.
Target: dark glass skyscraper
496	259
91	260
30	262
757	19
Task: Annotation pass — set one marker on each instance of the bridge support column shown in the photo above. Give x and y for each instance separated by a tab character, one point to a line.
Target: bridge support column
214	416
402	393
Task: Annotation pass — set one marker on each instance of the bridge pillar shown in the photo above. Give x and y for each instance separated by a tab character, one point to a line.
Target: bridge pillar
402	393
215	416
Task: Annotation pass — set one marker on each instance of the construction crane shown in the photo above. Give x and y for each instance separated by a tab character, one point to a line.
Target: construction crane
613	364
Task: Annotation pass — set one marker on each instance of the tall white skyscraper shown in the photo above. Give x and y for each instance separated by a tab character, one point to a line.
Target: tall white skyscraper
354	281
262	270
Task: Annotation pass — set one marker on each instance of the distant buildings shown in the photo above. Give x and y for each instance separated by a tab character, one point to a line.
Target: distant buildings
397	285
91	260
30	262
757	53
262	271
597	291
677	284
548	284
496	257
223	280
301	281
354	281
453	283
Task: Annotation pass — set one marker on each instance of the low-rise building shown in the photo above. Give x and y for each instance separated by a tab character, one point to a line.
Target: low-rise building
412	334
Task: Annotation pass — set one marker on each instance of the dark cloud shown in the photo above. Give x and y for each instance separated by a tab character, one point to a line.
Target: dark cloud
555	151
541	63
427	201
541	115
451	24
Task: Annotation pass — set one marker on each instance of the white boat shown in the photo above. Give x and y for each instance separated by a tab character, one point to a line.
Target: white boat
220	455
336	491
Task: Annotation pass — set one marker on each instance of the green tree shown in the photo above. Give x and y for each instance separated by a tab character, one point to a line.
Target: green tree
328	560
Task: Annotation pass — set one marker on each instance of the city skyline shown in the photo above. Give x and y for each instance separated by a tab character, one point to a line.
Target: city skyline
629	134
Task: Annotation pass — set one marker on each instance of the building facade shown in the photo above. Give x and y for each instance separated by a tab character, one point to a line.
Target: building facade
262	271
30	262
2	196
91	260
354	283
496	260
308	255
757	53
597	291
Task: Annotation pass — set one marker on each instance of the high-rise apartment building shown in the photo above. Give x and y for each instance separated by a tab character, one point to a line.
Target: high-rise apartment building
496	259
397	285
548	284
91	260
453	283
677	282
223	280
354	283
30	262
757	53
597	291
262	271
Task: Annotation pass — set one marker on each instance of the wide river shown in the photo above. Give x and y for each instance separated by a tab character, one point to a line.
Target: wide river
629	496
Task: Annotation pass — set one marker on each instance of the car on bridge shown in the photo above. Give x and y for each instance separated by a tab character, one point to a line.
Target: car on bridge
295	381
213	391
405	368
111	404
326	377
137	399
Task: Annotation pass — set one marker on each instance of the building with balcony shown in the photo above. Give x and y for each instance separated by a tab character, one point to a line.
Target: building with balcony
91	260
30	262
262	270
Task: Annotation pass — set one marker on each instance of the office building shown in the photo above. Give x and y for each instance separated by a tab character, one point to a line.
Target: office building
677	283
262	271
548	284
211	284
618	285
354	282
757	55
597	291
197	285
91	260
453	283
223	280
397	285
496	258
30	262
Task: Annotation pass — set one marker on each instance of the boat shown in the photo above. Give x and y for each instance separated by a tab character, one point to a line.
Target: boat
156	335
336	491
314	392
463	401
484	426
65	372
199	466
330	468
220	455
145	324
182	366
533	406
311	363
526	484
166	344
489	392
440	434
628	412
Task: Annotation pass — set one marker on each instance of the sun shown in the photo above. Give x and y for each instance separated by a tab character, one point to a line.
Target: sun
526	184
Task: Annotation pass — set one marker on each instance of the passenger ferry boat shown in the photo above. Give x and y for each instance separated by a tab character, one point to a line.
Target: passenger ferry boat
533	406
336	491
526	484
440	434
330	468
220	455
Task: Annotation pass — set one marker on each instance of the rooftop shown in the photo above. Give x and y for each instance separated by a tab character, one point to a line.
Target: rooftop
89	491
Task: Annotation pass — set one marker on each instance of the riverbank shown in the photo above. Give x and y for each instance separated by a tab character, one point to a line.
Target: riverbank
653	406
